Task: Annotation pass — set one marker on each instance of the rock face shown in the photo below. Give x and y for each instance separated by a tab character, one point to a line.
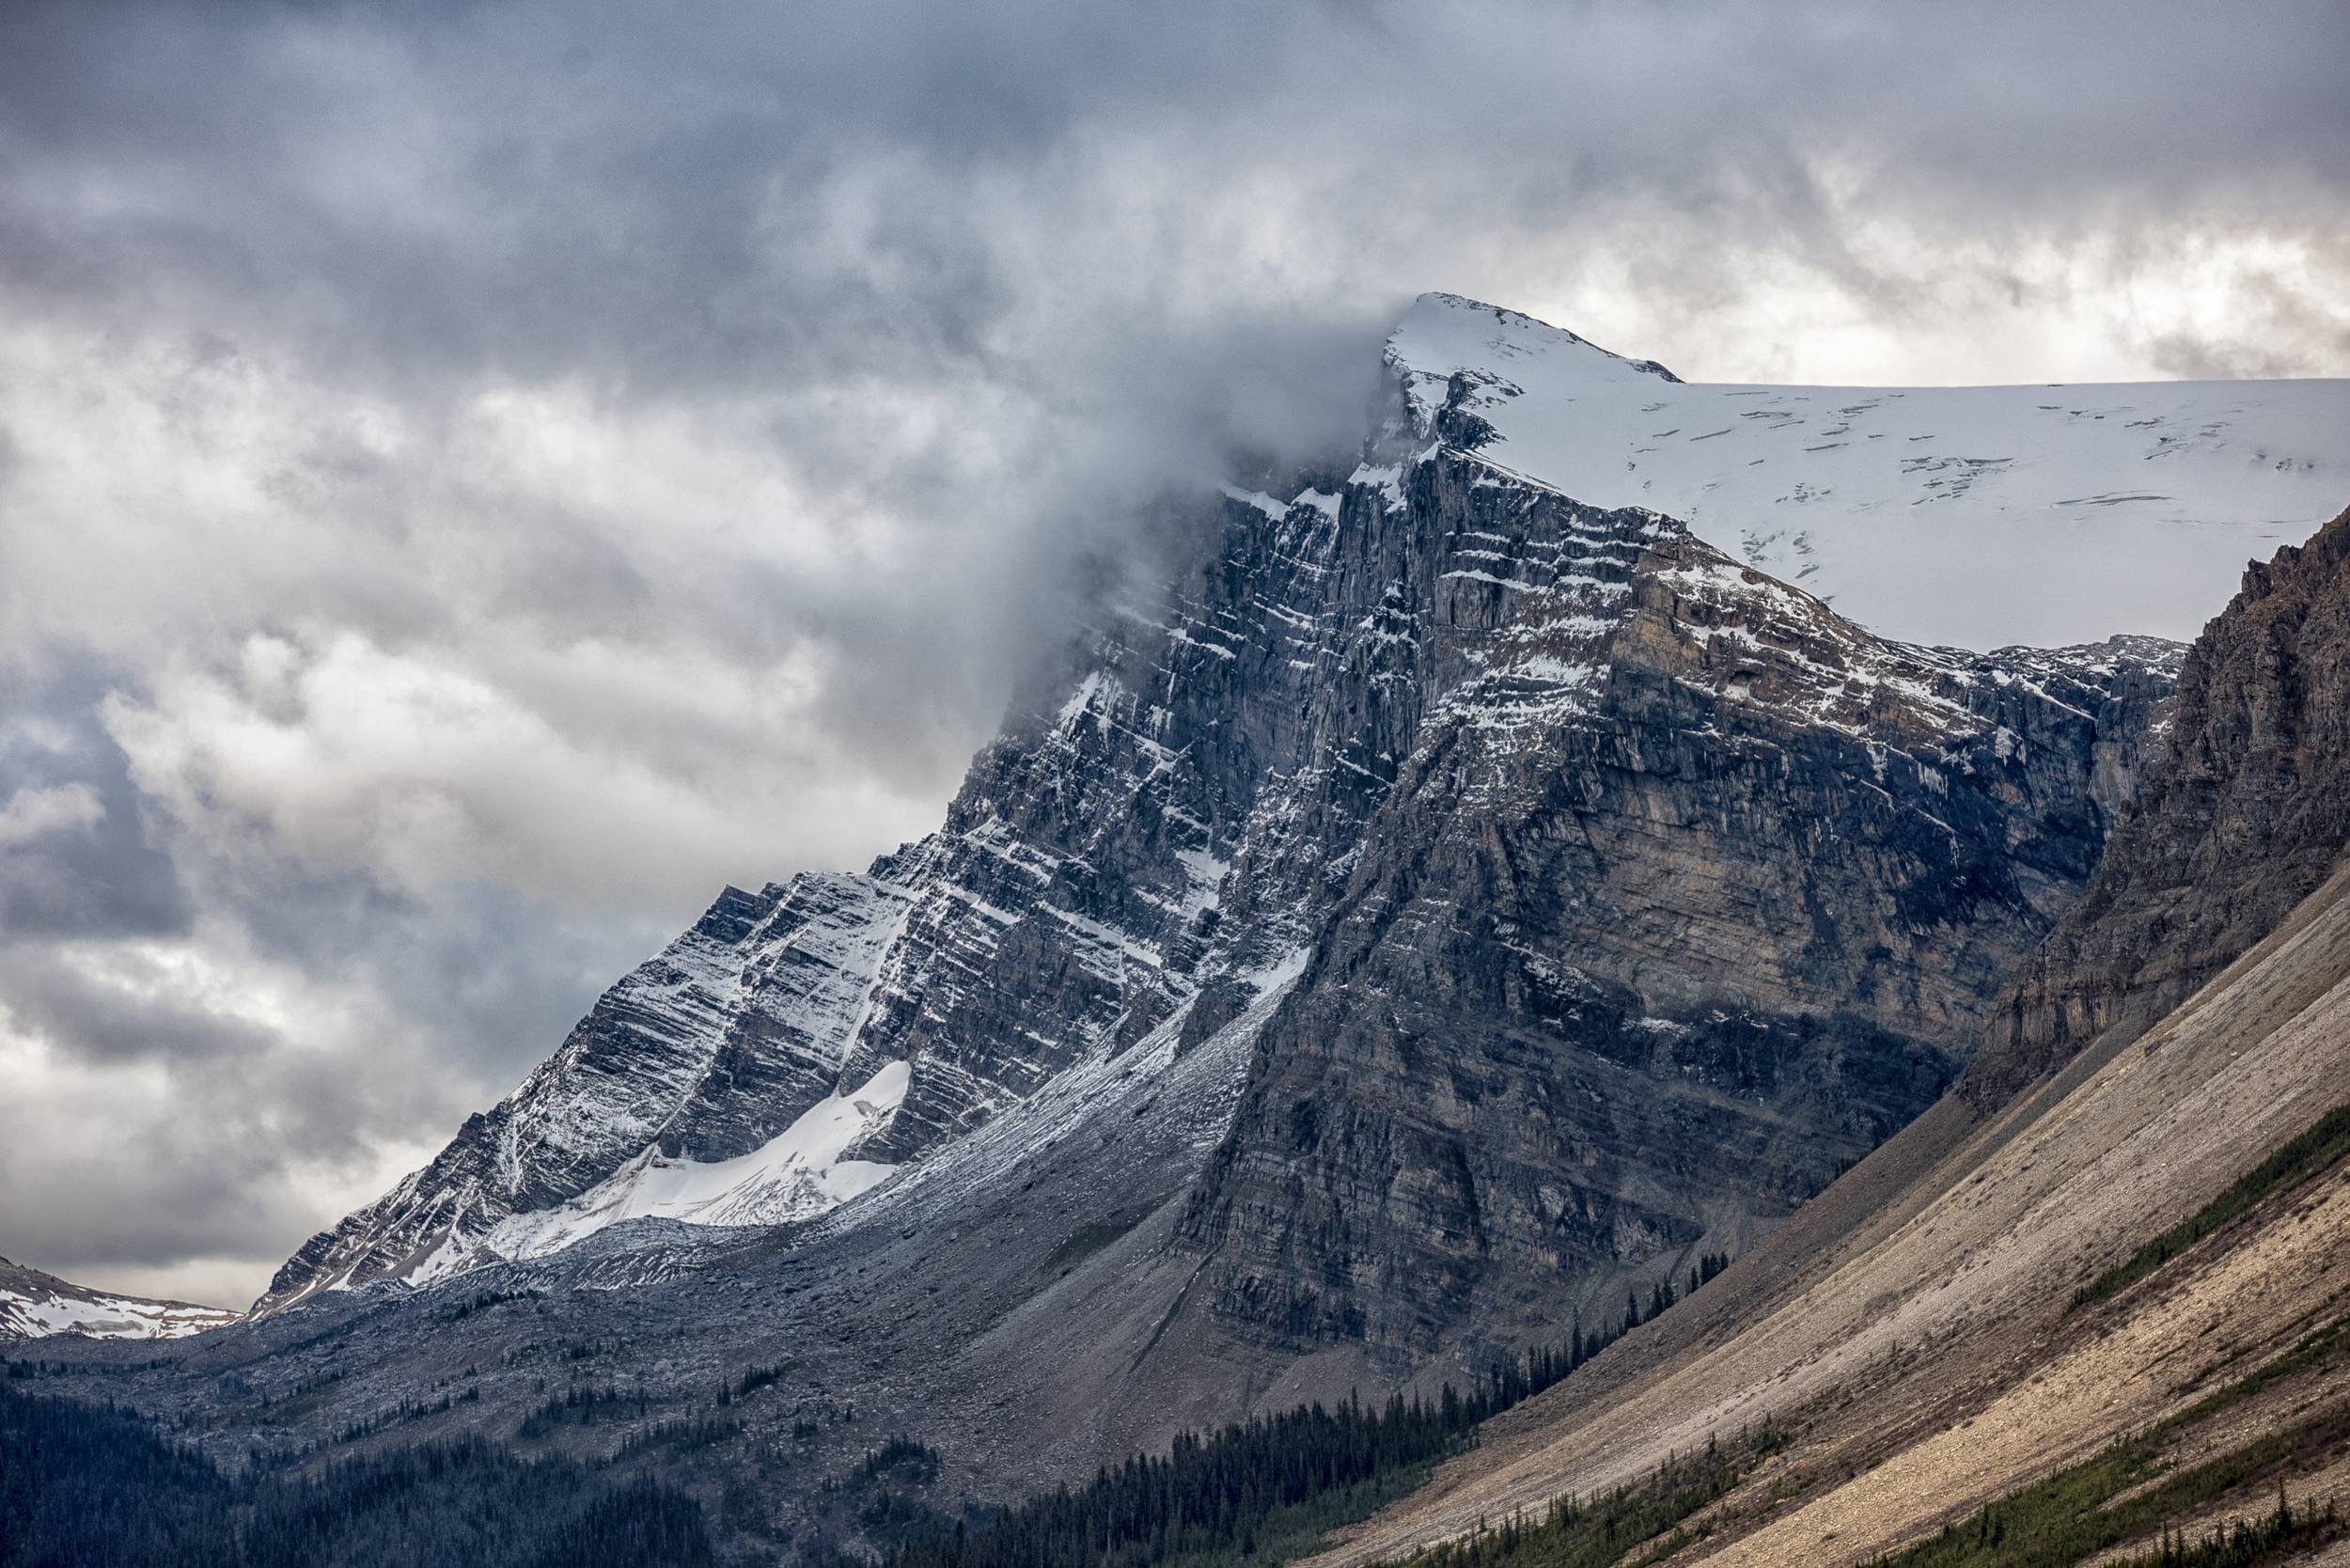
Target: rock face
1915	1323
2245	821
1619	891
1683	888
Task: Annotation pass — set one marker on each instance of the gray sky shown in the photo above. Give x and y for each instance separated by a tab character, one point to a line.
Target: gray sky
474	479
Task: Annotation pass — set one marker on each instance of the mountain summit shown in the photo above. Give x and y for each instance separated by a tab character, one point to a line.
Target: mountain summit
1190	814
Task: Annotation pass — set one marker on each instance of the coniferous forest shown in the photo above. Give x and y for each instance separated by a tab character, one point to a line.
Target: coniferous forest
1252	1493
85	1486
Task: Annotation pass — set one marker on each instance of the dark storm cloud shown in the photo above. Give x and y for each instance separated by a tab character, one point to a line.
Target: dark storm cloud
704	196
477	476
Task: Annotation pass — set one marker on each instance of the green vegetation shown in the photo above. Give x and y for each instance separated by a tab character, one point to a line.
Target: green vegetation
1593	1532
1249	1495
902	1458
578	1404
1708	1266
2244	1543
759	1377
2308	1155
2065	1518
679	1436
87	1488
895	1520
2069	1513
1262	1493
404	1412
483	1300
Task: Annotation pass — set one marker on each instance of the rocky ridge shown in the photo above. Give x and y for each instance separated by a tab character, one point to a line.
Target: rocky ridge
2251	824
34	1304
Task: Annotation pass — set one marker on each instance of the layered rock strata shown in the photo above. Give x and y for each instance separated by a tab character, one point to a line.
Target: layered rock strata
2247	818
1637	889
1918	1325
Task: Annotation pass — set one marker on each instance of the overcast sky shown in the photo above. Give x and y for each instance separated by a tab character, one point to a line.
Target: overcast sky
477	478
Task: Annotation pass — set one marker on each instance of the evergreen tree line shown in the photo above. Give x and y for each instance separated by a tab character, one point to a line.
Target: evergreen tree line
2312	1154
915	1463
1985	1539
755	1379
2243	1542
85	1487
1212	1496
1589	1532
578	1404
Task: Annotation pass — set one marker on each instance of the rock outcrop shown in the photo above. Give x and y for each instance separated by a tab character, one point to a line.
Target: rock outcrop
2245	821
1919	1326
1681	888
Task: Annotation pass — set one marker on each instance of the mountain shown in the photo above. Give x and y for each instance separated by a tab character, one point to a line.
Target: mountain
1944	1334
1445	903
34	1304
1170	818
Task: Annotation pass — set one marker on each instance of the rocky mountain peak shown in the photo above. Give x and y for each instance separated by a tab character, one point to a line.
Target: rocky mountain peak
1430	761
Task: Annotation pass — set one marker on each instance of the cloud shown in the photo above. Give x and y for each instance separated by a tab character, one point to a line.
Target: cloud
475	477
31	813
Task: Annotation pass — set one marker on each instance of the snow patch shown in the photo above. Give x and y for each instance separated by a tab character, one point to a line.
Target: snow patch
795	1175
36	1313
1259	500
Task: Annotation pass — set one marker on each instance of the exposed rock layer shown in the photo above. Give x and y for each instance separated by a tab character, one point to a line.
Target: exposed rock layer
2247	818
1912	1325
1681	885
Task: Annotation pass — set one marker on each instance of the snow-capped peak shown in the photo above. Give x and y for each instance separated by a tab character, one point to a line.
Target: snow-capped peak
1445	335
1975	516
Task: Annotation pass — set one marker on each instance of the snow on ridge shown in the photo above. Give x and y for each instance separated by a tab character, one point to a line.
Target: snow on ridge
1201	1085
34	1306
1258	499
1970	516
795	1175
